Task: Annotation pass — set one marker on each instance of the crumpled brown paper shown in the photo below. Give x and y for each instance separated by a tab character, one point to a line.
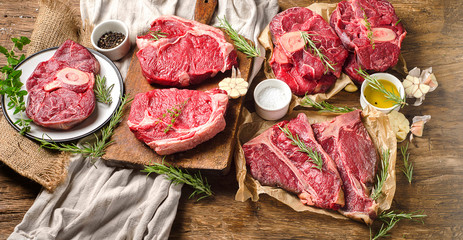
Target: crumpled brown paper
265	38
375	122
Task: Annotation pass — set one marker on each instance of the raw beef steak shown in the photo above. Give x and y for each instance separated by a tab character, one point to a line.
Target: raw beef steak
274	161
61	89
346	140
371	31
189	52
174	120
295	62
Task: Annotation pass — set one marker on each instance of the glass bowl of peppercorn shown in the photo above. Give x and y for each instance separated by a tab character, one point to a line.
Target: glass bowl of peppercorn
111	38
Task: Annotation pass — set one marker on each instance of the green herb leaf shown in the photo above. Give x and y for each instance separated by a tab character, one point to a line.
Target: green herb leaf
315	157
382	175
177	176
397	23
368	26
241	44
103	93
10	83
97	149
390	219
378	86
172	113
156	35
308	42
408	167
324	106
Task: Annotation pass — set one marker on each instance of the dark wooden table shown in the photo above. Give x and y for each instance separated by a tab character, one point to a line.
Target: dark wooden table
435	38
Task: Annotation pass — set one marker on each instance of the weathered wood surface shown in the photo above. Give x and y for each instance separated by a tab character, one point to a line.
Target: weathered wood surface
435	38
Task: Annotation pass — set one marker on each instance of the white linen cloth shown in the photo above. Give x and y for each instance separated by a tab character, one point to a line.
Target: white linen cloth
104	202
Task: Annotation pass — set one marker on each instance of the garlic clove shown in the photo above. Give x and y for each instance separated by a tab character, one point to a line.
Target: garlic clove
431	81
407	83
424	88
417	128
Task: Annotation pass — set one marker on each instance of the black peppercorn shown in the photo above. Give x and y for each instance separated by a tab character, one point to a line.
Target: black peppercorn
110	40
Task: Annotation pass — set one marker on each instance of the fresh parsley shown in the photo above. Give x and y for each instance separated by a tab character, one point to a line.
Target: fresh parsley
10	83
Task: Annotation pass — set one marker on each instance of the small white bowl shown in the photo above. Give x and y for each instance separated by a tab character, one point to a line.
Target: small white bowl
272	98
120	50
386	76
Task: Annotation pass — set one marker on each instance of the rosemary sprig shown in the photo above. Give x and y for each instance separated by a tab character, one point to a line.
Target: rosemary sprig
325	61
178	176
102	93
368	26
97	149
315	157
241	44
10	83
378	86
390	219
324	106
156	35
173	114
397	23
382	175
408	167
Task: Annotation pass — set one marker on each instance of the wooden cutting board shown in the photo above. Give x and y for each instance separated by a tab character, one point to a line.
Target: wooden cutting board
214	155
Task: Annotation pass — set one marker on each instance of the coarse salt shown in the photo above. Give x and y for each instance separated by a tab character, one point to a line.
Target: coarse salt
272	98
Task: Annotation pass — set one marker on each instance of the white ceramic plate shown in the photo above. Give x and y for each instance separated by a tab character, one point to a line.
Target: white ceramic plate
100	116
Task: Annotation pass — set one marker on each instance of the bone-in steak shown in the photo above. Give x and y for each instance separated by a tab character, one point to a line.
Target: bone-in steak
186	53
174	120
347	141
273	160
371	31
61	89
295	62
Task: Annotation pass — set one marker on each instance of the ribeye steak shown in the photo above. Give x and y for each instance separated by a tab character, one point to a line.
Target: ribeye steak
61	88
371	30
347	141
188	53
295	62
174	120
274	161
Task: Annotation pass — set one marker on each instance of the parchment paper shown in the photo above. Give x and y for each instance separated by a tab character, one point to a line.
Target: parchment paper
265	39
375	122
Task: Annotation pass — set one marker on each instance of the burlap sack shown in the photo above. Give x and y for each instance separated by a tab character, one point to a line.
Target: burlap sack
56	22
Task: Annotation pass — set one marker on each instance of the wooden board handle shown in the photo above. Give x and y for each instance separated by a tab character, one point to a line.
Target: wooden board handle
204	10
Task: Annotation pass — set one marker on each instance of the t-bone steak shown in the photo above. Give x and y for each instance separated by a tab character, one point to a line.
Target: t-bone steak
187	52
274	161
61	89
174	120
347	141
371	31
298	64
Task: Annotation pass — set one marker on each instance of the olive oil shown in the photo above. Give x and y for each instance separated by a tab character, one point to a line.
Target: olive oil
377	98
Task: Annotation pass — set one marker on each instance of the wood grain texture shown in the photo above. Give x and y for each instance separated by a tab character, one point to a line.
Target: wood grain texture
204	10
435	38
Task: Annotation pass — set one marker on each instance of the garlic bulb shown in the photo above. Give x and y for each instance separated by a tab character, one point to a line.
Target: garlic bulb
418	83
235	87
414	88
